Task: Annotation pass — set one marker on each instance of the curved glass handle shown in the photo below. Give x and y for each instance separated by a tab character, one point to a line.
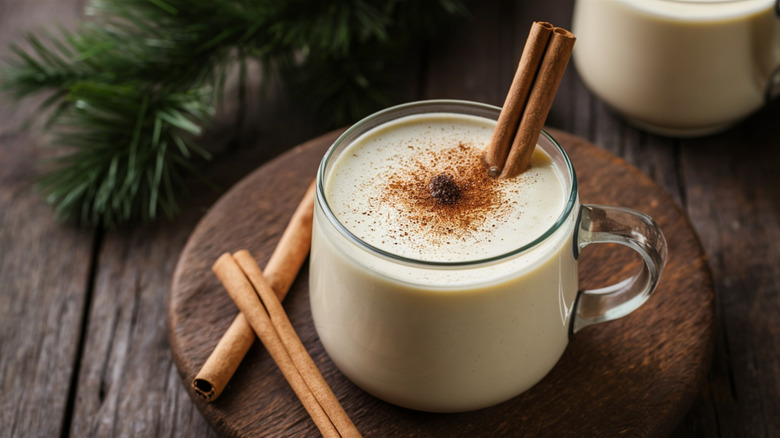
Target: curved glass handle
603	224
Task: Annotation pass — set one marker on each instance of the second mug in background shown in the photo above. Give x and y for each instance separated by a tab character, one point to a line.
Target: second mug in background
679	67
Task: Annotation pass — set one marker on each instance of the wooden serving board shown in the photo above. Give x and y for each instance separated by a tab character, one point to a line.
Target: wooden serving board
635	376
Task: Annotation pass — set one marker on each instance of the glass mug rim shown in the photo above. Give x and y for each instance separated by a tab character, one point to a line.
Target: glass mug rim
442	106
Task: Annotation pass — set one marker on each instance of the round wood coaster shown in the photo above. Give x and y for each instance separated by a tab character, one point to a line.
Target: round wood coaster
636	375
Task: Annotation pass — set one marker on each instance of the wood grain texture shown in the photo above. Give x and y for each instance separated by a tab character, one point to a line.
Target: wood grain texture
44	268
732	192
43	294
650	363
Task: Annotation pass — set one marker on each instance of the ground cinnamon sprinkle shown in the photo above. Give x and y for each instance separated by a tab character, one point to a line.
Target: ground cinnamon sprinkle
444	194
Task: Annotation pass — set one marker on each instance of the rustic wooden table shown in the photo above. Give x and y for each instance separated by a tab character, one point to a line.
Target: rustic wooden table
84	347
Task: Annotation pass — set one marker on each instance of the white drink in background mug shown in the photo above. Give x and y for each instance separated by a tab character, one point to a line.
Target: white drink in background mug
438	288
679	67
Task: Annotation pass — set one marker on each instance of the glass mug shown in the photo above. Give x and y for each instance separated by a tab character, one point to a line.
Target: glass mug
458	336
679	67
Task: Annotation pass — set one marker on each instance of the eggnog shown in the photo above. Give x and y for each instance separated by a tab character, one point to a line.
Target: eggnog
679	66
432	285
381	190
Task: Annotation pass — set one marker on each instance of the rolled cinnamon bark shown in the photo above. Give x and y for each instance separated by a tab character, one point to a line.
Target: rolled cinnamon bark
541	97
292	343
508	120
281	270
244	295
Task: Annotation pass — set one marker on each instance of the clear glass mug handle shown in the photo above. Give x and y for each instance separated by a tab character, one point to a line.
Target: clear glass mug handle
607	224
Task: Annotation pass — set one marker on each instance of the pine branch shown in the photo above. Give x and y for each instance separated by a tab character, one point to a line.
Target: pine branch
120	169
132	87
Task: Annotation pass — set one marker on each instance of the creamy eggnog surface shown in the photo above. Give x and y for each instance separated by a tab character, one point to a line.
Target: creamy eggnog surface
416	188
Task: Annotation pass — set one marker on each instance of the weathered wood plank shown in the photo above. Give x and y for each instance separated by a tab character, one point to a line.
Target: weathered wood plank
44	281
44	266
127	385
733	197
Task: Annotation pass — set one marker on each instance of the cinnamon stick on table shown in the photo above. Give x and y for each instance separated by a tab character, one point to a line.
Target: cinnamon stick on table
292	343
280	272
539	73
244	295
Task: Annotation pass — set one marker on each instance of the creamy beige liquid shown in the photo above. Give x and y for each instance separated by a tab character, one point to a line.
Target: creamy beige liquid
678	67
440	339
375	187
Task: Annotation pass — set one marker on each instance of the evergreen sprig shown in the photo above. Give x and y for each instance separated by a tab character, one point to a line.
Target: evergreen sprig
133	87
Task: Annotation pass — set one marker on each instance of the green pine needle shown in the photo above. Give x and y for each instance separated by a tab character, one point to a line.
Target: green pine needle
134	86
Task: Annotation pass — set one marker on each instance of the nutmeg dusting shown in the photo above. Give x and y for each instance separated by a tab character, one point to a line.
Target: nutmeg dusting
443	193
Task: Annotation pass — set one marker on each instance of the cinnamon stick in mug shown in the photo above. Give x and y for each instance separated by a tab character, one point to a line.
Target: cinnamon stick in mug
551	70
514	105
280	272
542	64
